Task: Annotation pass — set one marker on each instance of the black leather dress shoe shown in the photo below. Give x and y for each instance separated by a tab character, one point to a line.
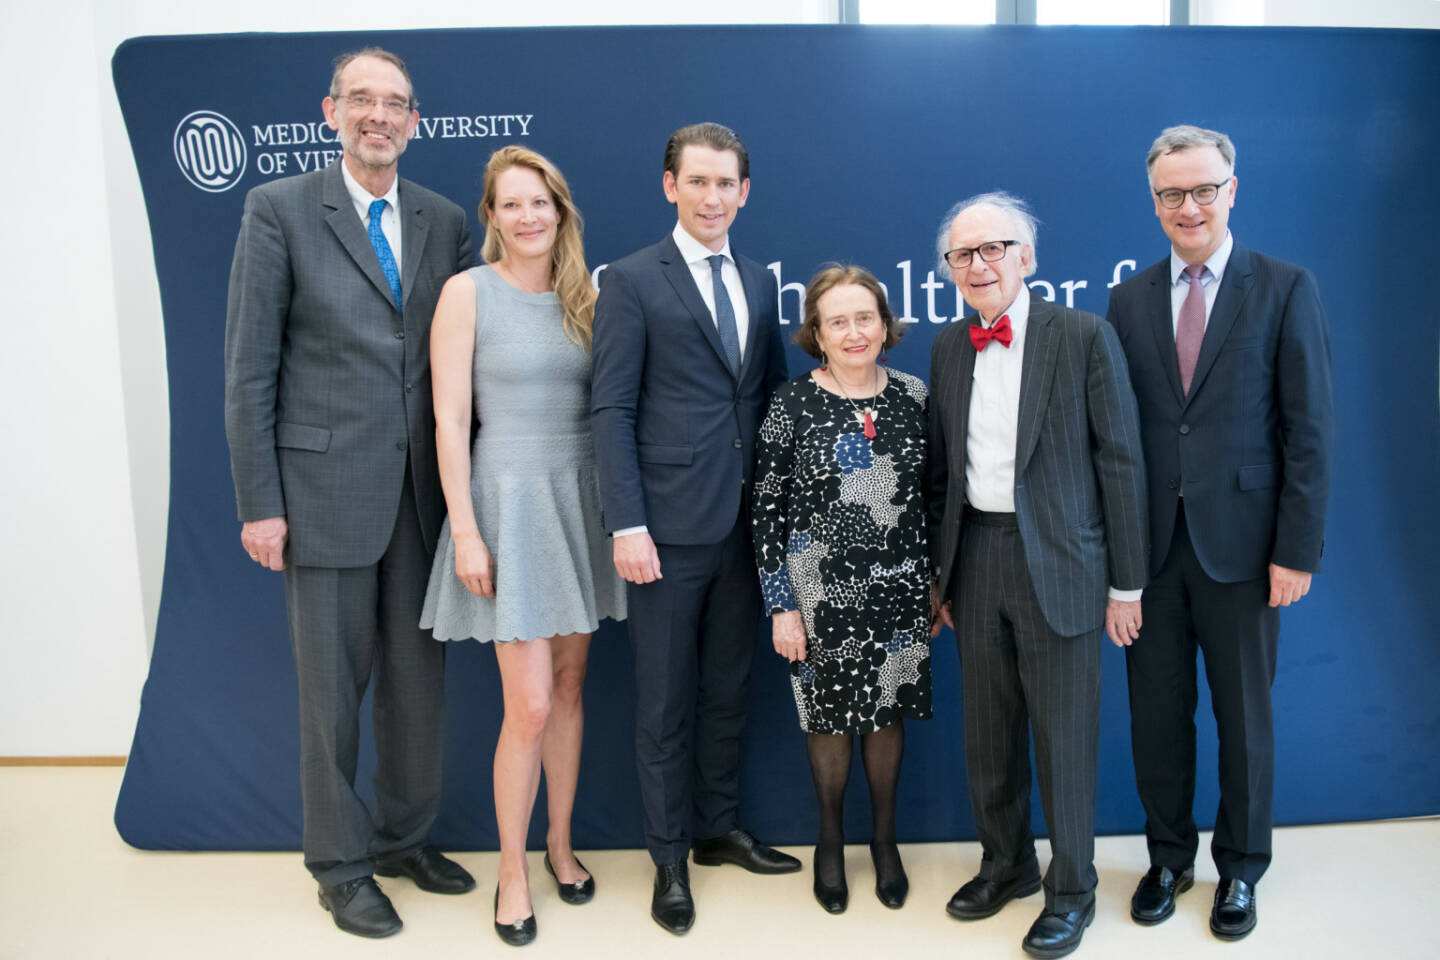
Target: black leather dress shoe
1154	898
671	905
516	934
578	892
892	893
430	869
360	907
743	850
1233	916
981	898
1057	934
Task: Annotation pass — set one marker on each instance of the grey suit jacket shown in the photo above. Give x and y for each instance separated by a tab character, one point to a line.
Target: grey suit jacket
1079	477
327	383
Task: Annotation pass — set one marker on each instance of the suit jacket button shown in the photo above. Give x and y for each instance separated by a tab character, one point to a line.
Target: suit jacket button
399	334
399	444
1172	484
737	444
1184	429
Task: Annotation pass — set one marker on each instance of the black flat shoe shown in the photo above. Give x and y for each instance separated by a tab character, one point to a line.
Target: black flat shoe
516	934
1154	899
581	891
1233	916
980	898
892	893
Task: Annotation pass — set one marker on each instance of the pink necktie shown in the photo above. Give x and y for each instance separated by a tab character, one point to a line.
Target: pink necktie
1190	328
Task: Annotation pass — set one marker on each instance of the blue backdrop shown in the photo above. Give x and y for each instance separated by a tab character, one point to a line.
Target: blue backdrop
860	139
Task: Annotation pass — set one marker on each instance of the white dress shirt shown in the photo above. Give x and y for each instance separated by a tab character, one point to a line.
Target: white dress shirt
389	220
995	415
1209	279
992	434
697	256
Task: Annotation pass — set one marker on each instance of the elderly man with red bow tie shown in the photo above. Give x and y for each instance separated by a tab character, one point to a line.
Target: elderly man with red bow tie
1038	537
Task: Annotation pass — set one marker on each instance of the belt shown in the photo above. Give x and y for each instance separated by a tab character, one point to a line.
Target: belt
989	519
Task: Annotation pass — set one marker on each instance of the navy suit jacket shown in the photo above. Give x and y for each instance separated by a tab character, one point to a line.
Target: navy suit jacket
1251	441
1079	479
674	428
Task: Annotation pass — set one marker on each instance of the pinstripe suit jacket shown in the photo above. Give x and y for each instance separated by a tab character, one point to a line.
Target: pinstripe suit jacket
327	383
1079	478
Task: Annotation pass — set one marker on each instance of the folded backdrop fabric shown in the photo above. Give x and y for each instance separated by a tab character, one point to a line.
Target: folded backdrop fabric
860	139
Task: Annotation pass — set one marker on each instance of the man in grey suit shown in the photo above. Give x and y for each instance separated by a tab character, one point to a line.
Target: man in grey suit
331	429
1037	504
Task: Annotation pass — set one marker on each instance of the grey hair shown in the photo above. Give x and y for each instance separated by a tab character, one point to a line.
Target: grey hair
1185	136
379	53
1025	224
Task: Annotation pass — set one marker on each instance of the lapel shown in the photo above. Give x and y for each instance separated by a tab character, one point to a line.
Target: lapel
414	228
348	229
1037	374
1162	324
962	386
677	272
1234	287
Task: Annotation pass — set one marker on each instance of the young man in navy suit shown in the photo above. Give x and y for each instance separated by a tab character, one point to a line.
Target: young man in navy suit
687	351
1230	359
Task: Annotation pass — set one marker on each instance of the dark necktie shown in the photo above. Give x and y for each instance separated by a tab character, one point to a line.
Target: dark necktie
980	335
1190	327
725	316
382	251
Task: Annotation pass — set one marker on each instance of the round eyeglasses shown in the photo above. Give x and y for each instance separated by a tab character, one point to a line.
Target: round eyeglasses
1204	194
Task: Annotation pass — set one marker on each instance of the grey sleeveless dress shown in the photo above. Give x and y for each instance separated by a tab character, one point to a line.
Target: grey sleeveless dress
532	481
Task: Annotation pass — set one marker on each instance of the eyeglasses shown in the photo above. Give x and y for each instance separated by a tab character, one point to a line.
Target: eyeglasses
1204	194
990	251
362	102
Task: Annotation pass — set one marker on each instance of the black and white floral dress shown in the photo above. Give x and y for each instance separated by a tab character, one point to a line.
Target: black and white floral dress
839	523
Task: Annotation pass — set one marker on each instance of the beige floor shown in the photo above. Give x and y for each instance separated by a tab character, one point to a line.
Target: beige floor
71	888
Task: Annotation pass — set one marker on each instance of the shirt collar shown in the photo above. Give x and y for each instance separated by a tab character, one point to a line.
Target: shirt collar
1018	311
361	197
693	250
1216	263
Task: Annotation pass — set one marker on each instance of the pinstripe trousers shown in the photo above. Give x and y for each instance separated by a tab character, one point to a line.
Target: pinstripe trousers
1019	675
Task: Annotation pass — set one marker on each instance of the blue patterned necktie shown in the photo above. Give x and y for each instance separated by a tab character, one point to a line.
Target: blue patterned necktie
725	316
382	251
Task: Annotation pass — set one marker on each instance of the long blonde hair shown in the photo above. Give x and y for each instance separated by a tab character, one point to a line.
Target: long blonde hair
568	273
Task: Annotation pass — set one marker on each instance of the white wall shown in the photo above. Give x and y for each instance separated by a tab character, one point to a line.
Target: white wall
1352	13
83	402
82	382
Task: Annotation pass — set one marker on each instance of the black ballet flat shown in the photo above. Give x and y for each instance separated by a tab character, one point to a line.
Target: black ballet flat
581	891
516	934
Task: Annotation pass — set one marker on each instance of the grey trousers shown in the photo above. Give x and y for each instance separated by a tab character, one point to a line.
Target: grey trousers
347	625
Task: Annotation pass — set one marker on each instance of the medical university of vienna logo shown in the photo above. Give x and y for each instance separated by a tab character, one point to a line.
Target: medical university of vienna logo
210	151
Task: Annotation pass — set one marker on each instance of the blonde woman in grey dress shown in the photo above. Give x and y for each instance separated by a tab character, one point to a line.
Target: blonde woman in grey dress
523	560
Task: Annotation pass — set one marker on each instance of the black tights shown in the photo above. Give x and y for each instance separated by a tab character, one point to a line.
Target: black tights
881	753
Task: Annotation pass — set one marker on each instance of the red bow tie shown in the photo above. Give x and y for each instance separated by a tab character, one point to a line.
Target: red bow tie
980	335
